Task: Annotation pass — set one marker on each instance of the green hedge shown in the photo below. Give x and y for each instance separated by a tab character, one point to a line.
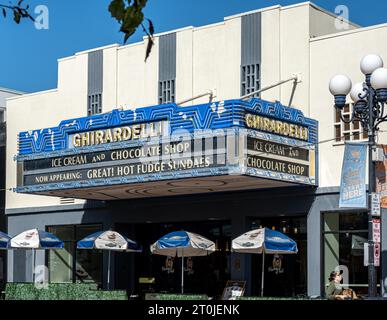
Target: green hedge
162	296
28	291
274	298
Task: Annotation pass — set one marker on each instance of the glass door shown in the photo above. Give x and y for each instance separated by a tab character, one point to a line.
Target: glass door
72	265
60	262
344	235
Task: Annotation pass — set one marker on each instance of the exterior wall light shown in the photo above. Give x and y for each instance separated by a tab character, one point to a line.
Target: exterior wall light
340	85
357	96
379	82
369	64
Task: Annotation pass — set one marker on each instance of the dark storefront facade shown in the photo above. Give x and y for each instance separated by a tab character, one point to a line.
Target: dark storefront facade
219	216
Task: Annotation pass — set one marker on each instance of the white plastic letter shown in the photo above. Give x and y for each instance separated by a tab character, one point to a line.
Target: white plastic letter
42	19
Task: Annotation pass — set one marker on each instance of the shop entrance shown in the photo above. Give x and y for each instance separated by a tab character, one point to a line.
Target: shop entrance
153	273
285	275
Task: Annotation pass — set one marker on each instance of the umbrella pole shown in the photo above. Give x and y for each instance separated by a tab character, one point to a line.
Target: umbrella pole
108	279
263	273
182	274
33	265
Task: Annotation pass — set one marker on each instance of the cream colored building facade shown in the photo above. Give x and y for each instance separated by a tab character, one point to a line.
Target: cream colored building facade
300	40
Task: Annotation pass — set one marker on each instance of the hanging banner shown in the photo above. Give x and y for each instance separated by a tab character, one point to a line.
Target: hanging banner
353	176
381	179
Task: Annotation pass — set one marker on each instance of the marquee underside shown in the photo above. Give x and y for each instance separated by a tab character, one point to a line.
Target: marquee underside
170	188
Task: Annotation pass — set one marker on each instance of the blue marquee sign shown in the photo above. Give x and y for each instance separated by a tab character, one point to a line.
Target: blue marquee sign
278	143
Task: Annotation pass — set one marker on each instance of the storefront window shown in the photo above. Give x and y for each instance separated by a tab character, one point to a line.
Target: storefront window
344	235
61	261
285	275
88	264
72	265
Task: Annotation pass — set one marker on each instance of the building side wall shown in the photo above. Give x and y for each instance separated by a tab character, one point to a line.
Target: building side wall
322	23
270	55
137	80
216	60
331	56
110	79
4	94
294	55
22	114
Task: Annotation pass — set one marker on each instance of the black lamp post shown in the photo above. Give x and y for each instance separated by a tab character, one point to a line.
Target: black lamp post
369	100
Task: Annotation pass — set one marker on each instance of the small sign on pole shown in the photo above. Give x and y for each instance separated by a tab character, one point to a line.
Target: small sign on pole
375	204
376	230
366	254
377	254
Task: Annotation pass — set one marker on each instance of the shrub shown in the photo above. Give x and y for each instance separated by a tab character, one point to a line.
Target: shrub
162	296
273	298
68	291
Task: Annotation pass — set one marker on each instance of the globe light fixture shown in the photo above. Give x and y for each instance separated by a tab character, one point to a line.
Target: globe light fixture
340	85
369	64
379	83
357	91
357	94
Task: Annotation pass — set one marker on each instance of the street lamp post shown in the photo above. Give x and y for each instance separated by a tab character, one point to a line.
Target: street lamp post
369	100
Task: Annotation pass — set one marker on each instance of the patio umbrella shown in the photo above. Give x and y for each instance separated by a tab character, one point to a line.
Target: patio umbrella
264	241
35	239
111	241
4	241
183	244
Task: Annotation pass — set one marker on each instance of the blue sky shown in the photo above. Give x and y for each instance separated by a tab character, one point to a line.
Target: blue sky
28	57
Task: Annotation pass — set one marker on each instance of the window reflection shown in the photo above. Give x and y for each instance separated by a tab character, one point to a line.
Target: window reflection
72	265
344	235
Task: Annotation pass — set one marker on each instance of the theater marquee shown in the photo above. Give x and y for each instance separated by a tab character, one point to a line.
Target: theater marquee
167	150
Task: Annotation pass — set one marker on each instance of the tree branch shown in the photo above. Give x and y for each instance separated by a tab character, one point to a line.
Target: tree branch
129	14
19	12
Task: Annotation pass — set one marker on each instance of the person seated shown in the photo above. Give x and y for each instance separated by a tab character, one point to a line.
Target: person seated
335	291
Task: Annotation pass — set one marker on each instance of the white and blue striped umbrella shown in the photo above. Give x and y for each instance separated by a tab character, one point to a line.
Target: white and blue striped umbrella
264	241
36	239
111	241
183	244
4	241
